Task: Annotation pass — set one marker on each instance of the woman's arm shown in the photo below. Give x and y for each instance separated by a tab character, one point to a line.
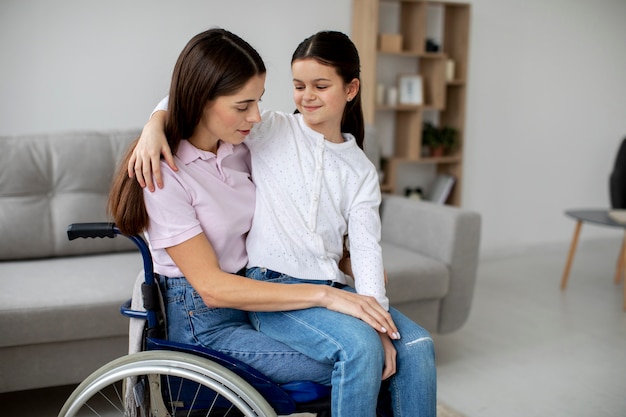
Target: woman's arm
198	262
144	161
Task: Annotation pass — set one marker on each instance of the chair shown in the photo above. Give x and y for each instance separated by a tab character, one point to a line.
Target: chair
617	191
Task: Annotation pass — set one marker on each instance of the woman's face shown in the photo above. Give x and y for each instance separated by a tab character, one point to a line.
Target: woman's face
321	95
230	118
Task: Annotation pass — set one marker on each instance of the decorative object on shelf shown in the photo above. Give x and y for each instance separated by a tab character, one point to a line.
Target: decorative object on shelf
392	96
390	42
414	193
431	46
450	70
411	89
380	94
438	141
441	188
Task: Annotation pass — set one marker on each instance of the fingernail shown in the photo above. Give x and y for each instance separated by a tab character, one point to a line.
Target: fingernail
396	335
382	329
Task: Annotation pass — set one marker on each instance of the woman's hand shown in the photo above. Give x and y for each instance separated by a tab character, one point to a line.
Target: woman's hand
144	163
390	356
362	307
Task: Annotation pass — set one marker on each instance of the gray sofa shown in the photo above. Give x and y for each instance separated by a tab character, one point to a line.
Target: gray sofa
59	300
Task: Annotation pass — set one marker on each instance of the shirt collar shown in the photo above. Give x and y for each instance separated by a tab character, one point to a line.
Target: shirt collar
347	137
188	153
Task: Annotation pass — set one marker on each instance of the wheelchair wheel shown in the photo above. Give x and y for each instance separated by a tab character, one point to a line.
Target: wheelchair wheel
165	383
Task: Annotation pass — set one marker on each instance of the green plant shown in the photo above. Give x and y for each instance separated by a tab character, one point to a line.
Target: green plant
447	137
435	137
429	135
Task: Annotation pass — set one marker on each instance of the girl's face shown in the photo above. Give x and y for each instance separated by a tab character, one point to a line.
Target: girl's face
230	118
321	95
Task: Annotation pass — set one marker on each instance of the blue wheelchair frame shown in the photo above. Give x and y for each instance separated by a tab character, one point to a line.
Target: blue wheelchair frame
299	396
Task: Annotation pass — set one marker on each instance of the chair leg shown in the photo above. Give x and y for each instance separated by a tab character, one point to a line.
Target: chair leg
570	256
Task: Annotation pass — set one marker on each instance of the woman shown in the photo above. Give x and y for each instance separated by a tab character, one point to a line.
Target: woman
287	151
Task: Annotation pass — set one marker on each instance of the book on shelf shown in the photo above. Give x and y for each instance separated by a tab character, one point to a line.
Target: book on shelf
618	215
441	188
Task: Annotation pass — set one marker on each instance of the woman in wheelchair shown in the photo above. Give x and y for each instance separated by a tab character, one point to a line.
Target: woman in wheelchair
198	219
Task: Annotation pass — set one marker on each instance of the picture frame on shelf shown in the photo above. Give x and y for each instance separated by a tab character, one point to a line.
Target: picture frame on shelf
410	89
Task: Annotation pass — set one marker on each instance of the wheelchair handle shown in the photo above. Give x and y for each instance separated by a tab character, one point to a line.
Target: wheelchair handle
102	229
85	230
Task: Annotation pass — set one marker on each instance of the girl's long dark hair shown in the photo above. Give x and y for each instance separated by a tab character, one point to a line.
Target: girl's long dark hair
335	49
214	63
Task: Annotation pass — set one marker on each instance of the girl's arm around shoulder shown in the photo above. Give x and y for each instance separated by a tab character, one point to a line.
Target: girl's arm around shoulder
144	163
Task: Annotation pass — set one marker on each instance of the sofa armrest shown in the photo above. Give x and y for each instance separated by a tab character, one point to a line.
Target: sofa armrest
448	234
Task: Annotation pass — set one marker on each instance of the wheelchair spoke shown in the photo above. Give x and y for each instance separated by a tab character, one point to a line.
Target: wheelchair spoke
171	384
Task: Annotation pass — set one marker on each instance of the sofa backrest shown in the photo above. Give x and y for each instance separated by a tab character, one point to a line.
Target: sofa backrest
50	181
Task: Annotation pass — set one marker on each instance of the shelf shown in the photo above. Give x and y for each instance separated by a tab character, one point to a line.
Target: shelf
444	99
415	54
399	107
386	188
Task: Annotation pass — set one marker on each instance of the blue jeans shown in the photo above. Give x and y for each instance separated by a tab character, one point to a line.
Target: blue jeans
229	331
354	350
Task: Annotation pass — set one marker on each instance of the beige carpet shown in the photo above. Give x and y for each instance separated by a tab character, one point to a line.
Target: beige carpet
445	411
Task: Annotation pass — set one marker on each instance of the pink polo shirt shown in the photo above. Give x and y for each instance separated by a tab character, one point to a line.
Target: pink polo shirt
210	193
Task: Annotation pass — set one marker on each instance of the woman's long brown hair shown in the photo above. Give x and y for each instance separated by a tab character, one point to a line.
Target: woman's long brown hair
214	63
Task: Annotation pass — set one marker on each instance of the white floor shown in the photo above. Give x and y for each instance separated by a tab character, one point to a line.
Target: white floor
527	350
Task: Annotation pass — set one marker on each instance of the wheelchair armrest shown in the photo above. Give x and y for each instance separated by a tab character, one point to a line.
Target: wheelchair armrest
133	314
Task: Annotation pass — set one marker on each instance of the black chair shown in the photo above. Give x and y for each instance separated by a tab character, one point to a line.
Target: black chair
604	217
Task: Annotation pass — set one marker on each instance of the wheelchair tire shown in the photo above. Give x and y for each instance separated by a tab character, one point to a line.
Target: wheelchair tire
222	392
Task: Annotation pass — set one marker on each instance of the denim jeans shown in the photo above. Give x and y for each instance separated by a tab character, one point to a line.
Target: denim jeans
229	331
354	350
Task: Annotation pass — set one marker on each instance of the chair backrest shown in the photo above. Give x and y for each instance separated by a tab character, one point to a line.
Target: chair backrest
617	180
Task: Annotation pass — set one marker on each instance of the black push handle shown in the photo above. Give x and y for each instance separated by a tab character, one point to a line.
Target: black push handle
85	230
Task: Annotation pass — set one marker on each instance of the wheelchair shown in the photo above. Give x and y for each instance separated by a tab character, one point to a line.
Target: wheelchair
172	379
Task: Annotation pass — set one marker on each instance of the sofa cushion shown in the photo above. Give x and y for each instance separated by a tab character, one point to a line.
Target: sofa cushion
50	181
70	298
412	276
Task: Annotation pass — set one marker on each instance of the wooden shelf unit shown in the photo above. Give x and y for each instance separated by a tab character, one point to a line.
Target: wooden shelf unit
444	97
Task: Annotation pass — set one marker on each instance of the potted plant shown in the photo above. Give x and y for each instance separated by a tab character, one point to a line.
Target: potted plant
438	140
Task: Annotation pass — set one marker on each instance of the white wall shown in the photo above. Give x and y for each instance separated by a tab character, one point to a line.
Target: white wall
81	64
546	113
546	102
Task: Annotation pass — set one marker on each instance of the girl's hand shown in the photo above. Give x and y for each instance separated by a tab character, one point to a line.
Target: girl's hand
390	356
144	163
362	307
